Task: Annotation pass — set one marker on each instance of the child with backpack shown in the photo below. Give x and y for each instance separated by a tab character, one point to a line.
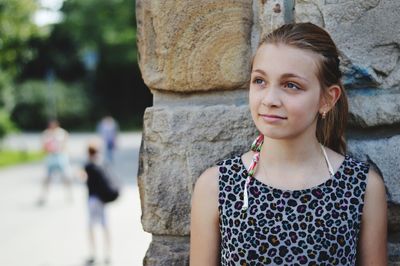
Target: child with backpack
100	192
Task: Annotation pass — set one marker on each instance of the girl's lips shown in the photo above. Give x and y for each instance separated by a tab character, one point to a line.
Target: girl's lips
272	118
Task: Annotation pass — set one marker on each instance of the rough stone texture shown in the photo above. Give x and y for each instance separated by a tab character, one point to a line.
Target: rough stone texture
194	45
394	233
394	254
167	250
269	15
370	108
309	11
394	222
166	99
384	153
178	144
350	23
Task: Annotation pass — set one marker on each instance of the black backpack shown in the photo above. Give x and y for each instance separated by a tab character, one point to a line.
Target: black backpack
107	191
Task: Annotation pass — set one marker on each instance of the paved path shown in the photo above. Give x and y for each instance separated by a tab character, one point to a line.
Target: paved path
55	234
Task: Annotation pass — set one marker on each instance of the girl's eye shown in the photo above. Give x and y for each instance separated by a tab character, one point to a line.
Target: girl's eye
258	81
292	86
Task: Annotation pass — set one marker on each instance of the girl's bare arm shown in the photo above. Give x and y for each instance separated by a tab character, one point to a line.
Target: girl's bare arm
204	227
373	236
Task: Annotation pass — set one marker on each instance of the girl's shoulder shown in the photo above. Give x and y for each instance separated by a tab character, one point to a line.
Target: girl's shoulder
207	183
205	194
234	159
211	176
233	166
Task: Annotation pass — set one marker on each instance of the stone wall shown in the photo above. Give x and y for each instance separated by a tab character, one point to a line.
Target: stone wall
195	58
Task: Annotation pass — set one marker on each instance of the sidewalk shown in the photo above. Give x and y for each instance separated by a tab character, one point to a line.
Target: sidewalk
56	234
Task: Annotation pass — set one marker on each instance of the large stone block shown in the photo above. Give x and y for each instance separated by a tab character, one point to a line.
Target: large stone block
367	34
384	153
371	108
166	99
178	145
194	45
167	250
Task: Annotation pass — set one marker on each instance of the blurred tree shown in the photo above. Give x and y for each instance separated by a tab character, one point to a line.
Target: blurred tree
59	53
69	100
16	29
100	24
108	28
102	34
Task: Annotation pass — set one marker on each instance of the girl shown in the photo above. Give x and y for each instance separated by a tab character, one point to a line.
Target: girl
296	198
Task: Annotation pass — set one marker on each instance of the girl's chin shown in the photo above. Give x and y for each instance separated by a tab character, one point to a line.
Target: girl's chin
273	134
276	133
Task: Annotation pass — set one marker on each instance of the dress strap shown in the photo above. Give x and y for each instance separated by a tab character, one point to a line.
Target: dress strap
327	160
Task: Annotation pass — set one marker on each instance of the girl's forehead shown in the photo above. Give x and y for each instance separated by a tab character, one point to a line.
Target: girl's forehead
288	49
276	58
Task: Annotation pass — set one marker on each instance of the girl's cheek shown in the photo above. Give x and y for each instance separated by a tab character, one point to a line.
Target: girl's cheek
252	100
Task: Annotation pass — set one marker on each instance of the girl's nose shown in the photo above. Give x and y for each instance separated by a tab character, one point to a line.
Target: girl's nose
271	97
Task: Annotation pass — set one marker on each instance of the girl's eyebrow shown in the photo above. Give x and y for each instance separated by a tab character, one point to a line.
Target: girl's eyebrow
291	75
286	75
260	71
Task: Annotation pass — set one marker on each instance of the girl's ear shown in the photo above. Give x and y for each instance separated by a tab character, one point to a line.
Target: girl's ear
330	97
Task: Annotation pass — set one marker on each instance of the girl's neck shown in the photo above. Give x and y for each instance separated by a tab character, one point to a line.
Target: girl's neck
94	159
278	152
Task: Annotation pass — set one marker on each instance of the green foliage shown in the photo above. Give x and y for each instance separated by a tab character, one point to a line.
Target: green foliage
101	21
10	157
6	91
16	29
6	125
106	28
39	101
103	24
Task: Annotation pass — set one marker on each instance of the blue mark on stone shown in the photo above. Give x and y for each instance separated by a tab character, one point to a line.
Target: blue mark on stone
358	77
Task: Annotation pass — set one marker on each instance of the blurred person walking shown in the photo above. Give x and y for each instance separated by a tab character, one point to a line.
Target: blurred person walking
54	140
100	191
108	130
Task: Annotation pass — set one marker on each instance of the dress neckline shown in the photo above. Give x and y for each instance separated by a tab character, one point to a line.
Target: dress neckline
326	182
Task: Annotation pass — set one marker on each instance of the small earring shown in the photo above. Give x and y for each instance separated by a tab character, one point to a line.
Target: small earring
323	114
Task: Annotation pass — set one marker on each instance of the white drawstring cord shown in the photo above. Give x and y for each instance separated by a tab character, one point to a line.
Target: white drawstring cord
327	160
245	195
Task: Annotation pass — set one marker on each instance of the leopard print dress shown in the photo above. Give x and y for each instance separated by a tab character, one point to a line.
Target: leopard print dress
315	226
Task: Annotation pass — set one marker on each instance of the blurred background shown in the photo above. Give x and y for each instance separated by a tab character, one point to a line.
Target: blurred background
74	61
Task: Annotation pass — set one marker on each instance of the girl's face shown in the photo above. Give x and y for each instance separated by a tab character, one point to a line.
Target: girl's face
285	94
